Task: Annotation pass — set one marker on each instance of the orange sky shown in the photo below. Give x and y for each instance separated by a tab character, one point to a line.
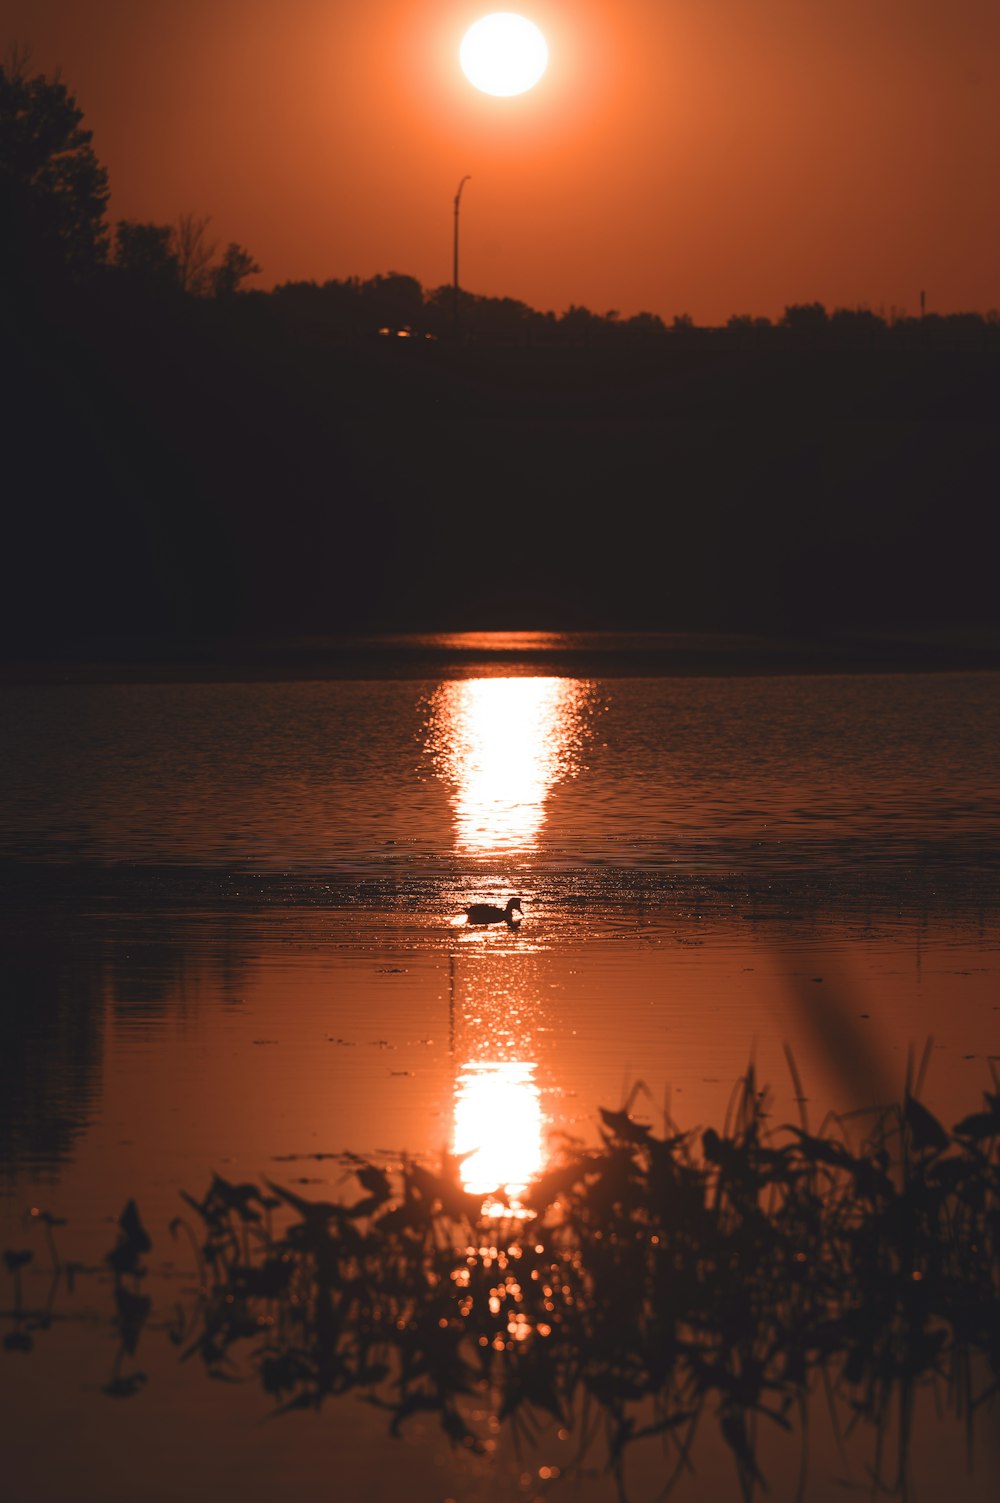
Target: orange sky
699	156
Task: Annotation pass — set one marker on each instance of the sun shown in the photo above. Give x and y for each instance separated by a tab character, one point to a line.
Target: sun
503	54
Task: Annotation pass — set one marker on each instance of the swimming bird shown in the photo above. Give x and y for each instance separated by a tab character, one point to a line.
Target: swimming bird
488	913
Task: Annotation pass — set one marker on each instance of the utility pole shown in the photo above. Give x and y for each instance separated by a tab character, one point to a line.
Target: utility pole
458	205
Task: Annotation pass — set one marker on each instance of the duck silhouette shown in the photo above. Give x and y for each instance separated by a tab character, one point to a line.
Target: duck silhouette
488	913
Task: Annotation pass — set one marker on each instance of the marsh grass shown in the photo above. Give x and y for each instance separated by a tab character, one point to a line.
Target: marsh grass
648	1286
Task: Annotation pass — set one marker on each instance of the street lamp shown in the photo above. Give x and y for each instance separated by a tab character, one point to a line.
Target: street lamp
458	205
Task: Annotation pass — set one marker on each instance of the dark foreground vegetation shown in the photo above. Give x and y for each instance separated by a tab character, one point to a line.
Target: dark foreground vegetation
644	1288
188	459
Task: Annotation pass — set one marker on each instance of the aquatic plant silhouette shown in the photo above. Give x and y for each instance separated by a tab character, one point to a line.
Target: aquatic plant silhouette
644	1283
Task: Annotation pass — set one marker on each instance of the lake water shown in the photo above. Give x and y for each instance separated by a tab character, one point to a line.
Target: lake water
233	940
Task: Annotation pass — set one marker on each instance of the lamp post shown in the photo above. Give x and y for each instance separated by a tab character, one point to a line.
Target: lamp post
458	205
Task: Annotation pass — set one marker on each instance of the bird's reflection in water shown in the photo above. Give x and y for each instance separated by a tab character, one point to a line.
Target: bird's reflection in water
503	743
498	1127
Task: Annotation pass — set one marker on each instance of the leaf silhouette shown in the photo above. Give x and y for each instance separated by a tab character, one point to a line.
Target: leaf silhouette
622	1126
980	1125
925	1129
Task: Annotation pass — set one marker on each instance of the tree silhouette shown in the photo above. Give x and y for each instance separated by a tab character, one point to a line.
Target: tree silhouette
236	265
394	301
145	254
580	326
193	251
807	319
53	190
645	328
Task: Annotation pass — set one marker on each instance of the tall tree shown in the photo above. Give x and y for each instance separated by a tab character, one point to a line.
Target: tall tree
53	190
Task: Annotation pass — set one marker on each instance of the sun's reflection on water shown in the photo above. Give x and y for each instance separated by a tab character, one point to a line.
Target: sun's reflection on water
503	743
498	1124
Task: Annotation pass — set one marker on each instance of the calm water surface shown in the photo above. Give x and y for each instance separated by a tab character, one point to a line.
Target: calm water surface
642	774
232	940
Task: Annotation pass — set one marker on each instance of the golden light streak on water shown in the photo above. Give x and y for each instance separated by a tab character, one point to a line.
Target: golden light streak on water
498	1123
503	743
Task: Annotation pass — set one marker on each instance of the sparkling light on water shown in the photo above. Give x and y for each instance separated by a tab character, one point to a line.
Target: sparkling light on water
498	1123
503	743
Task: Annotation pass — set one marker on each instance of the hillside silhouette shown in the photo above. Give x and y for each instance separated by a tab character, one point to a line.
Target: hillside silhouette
192	459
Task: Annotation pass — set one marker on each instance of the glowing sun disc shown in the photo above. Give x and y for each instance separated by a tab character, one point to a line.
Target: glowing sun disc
503	54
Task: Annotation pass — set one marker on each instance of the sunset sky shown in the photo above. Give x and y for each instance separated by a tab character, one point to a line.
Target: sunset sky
698	156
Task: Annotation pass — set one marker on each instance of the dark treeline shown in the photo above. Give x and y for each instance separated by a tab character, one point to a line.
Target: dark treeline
188	459
397	306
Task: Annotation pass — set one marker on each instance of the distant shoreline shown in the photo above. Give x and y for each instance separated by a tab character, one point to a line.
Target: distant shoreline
575	654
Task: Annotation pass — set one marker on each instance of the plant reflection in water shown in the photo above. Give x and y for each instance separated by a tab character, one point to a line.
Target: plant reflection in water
657	1279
